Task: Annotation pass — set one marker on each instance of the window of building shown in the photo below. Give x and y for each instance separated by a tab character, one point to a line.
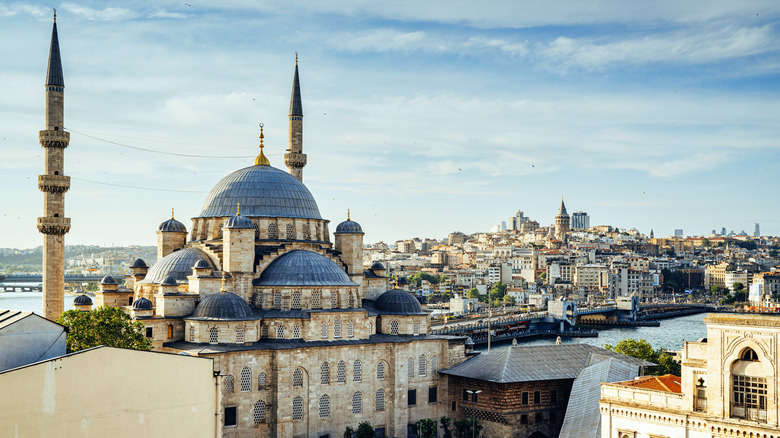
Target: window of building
325	374
749	397
228	384
357	403
370	328
410	367
297	408
324	331
700	404
538	417
380	371
231	416
524	398
259	300
416	327
434	366
474	396
306	232
316	300
296	299
259	412
290	232
350	329
553	396
379	401
240	335
334	299
264	331
280	332
273	231
433	394
148	332
393	327
192	333
261	381
411	395
337	329
379	432
465	395
324	406
297	378
423	366
357	371
277	300
524	419
537	397
454	405
170	331
341	372
246	379
213	335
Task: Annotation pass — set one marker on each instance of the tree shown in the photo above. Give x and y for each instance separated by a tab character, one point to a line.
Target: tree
467	427
109	326
472	293
642	349
509	300
445	422
497	291
738	287
425	428
349	432
365	430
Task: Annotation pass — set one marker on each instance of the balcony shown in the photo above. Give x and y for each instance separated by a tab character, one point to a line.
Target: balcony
54	225
752	414
54	139
53	183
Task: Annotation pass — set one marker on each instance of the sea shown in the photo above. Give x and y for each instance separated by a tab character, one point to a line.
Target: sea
29	301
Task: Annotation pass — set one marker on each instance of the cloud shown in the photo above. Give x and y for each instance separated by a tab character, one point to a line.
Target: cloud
105	14
23	9
378	40
509	47
160	13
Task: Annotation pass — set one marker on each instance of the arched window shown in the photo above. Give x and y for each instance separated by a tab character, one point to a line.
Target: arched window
337	329
297	378
296	299
334	299
357	403
316	300
357	371
325	373
240	335
261	381
259	300
297	408
324	406
749	388
264	331
257	230
277	300
350	329
423	365
351	301
273	231
394	327
380	371
379	401
296	332
290	232
280	332
370	328
228	384
306	232
410	367
246	379
324	331
341	372
434	366
416	327
192	333
259	412
213	335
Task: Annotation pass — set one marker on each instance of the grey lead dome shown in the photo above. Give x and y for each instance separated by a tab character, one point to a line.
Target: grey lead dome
398	302
222	306
303	268
349	227
262	191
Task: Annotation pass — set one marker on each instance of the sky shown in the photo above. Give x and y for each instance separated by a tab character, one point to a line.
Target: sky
422	118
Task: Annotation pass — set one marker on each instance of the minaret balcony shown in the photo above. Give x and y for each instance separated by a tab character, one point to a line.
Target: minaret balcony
294	159
53	183
51	138
54	225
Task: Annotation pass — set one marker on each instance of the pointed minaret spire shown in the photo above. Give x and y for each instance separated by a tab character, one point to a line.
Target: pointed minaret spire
295	159
562	210
54	72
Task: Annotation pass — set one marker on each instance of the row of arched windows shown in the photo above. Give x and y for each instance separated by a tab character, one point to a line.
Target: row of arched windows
246	381
240	334
341	373
296	299
422	366
337	329
357	404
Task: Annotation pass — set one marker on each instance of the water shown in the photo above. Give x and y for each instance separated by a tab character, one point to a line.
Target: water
670	335
29	301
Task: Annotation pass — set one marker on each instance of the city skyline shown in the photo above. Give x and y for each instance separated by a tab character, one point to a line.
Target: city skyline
434	119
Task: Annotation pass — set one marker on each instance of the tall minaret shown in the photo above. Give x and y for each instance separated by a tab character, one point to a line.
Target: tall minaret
53	225
295	159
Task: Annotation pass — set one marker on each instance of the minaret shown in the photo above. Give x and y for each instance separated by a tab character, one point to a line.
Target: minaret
53	225
295	159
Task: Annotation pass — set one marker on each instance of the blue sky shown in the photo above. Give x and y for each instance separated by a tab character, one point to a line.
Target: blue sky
421	117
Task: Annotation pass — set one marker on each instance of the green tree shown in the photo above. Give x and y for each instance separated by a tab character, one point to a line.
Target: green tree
467	427
497	291
109	326
738	287
642	349
425	428
365	430
472	293
509	300
444	423
349	432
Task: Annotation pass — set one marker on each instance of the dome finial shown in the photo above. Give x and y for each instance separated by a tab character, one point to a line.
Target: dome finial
55	20
171	212
238	209
348	215
261	160
223	282
296	58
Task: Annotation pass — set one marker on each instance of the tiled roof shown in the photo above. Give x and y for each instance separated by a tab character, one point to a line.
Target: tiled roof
668	382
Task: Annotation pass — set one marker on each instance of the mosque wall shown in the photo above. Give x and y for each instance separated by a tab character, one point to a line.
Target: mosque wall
266	228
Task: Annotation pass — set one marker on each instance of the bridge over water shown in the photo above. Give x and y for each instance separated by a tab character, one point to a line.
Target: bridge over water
33	282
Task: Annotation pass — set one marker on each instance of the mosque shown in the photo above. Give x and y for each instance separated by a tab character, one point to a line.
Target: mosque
306	341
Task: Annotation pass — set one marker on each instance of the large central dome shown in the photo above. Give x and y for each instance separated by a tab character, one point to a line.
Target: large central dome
262	191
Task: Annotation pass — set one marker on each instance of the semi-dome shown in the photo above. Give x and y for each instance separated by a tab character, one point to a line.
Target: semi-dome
303	268
82	300
108	280
263	191
177	264
201	264
349	227
169	281
239	222
142	304
172	226
398	302
223	306
138	263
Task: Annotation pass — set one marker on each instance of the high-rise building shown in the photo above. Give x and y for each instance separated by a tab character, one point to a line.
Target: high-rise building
723	231
54	225
580	220
678	232
517	221
756	230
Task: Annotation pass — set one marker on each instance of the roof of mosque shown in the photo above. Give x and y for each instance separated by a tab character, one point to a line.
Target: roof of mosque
54	72
177	264
138	263
398	302
82	300
349	226
262	191
172	226
108	280
239	222
223	306
142	304
303	268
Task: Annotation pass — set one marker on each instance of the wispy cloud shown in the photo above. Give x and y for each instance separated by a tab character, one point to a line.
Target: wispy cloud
15	9
378	40
105	14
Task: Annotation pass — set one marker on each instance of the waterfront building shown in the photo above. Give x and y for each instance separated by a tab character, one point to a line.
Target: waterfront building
728	387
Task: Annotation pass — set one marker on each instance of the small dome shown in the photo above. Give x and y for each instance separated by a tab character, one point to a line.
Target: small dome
138	263
402	280
239	222
349	227
82	300
177	264
201	264
172	226
398	302
169	281
469	341
377	266
142	304
223	305
303	268
108	280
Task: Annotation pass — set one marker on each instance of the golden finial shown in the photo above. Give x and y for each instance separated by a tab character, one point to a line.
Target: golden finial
348	215
238	209
171	212
261	160
296	58
223	282
55	20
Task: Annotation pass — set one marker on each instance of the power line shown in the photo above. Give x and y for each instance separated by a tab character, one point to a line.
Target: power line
136	187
